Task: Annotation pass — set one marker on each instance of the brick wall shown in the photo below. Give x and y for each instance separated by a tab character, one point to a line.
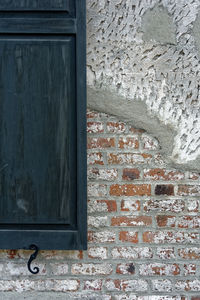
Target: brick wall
143	221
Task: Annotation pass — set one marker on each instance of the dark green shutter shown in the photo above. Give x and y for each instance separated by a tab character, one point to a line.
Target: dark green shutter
42	124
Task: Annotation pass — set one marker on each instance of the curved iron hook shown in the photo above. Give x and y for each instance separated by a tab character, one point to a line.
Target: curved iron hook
32	257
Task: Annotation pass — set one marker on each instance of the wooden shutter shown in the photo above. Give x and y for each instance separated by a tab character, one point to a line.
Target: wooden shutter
42	124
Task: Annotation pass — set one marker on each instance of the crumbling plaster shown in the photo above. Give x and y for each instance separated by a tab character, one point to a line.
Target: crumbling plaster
143	66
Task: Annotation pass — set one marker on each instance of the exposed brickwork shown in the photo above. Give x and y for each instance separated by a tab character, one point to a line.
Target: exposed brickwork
131	252
130	174
166	253
115	127
165	205
102	206
189	190
130	190
130	205
166	221
125	269
149	143
172	237
95	127
159	269
126	285
128	236
100	143
128	159
162	174
128	143
162	189
143	227
131	221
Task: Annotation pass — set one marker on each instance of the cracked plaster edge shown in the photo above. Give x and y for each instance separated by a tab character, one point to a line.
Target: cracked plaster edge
136	114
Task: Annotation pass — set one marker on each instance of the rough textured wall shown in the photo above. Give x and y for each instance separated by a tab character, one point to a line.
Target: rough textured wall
148	52
143	219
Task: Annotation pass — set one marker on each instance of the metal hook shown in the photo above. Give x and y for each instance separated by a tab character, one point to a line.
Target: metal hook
32	257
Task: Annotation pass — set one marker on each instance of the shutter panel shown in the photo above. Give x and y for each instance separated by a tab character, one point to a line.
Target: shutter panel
42	124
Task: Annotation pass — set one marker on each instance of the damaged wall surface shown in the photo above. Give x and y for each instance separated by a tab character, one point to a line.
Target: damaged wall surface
143	139
144	57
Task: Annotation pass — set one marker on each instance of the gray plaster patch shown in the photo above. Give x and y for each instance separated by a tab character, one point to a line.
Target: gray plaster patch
163	76
158	26
136	114
196	33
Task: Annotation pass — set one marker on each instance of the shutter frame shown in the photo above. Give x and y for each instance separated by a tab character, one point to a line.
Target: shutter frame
58	23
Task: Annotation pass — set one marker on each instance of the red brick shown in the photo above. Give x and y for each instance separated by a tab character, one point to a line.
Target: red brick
19	269
116	127
159	269
194	176
95	158
165	253
130	190
189	269
13	254
126	236
97	221
98	252
164	189
189	253
189	222
128	143
168	221
130	205
131	253
59	268
95	127
38	285
93	285
192	190
159	237
101	237
130	174
131	221
92	114
125	269
172	205
102	174
162	174
97	190
101	143
163	285
126	285
196	298
91	269
128	158
188	285
59	255
193	205
150	143
102	206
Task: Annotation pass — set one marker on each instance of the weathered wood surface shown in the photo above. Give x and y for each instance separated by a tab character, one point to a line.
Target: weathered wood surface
37	123
43	183
39	5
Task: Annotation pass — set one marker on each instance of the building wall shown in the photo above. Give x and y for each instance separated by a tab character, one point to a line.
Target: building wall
143	163
143	228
